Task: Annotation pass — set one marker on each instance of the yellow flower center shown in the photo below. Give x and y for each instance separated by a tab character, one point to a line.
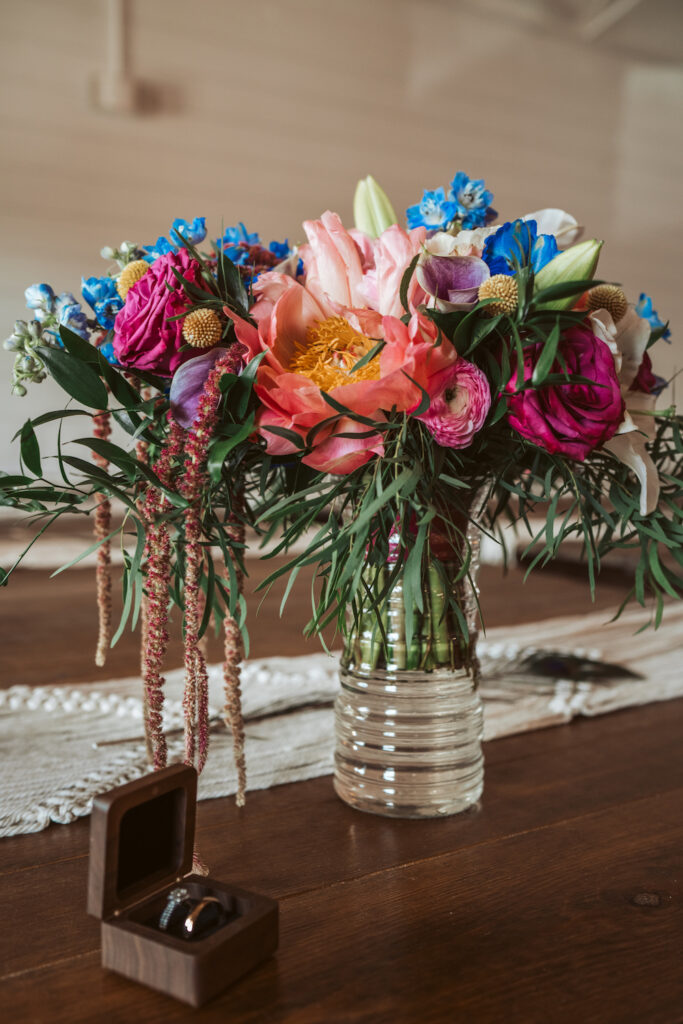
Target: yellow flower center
331	350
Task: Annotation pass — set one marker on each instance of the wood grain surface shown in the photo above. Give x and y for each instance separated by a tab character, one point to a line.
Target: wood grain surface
559	899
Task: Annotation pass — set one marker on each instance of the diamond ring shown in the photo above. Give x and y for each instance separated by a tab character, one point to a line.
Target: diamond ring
175	898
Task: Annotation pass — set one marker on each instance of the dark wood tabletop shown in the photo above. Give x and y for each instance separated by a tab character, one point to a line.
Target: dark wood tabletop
558	899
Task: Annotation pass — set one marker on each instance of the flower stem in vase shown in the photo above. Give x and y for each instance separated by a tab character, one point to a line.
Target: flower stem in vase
395	624
441	644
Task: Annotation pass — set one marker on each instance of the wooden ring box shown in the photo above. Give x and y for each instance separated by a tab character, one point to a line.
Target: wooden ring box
141	845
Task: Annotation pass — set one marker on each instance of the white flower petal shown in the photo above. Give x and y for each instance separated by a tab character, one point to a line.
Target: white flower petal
633	334
557	222
630	449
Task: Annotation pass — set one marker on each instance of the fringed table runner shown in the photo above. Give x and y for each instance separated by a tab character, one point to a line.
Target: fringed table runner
62	745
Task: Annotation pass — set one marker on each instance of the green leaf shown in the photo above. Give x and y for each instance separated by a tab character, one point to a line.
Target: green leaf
547	357
75	377
405	282
30	449
48	417
246	383
369	356
222	449
563	290
84	554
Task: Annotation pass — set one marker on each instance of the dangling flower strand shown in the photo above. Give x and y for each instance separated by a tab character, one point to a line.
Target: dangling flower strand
192	487
234	652
155	622
102	529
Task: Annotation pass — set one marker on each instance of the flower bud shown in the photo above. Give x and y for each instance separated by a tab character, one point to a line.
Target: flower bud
575	264
19	390
372	211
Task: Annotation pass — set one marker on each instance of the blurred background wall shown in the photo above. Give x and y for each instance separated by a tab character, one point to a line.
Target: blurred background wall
268	112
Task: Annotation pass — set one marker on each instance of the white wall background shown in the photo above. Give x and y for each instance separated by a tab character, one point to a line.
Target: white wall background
268	112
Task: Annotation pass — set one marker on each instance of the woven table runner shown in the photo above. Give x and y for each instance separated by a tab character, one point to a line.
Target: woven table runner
61	745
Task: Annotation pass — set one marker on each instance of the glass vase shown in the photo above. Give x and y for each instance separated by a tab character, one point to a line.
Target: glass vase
409	719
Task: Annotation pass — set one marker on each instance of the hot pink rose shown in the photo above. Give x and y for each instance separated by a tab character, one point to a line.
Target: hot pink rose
460	401
569	419
645	380
143	336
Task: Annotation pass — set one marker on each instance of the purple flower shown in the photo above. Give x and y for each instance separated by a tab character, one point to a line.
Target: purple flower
452	281
189	379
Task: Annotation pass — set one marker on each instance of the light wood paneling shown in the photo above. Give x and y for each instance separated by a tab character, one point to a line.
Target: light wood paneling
269	112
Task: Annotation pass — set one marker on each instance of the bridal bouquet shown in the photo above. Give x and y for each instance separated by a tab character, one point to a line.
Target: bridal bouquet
378	391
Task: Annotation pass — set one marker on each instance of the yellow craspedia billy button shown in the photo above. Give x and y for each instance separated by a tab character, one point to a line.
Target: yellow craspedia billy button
130	275
202	328
504	290
609	297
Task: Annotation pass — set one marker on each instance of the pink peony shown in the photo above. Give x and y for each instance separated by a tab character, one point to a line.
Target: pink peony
569	419
460	401
348	268
143	336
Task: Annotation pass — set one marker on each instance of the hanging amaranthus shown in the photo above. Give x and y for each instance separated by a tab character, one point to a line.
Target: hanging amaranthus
234	652
102	529
192	487
155	623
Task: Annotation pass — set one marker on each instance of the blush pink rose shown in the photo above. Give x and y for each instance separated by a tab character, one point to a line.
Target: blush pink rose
460	402
569	419
143	336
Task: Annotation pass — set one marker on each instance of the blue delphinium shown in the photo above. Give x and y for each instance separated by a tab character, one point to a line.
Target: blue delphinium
194	231
107	350
280	249
645	309
41	299
69	314
472	201
54	310
161	247
434	211
100	293
236	241
518	244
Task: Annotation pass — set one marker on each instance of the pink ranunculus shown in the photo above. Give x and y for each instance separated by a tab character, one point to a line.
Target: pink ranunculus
569	419
143	336
460	402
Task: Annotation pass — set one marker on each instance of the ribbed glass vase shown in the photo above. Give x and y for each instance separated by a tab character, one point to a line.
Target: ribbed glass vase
409	719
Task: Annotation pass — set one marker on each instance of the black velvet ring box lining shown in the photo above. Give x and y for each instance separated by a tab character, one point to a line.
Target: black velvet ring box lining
141	843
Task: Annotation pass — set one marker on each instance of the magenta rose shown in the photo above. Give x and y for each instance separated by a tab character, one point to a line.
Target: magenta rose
569	419
645	380
143	336
460	401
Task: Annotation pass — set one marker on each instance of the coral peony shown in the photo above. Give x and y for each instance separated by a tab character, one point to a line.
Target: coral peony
460	401
569	419
144	336
315	334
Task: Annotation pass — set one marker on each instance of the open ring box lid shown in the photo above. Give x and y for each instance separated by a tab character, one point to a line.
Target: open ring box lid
141	847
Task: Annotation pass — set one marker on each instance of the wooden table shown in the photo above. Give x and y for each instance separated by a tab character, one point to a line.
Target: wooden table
558	900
